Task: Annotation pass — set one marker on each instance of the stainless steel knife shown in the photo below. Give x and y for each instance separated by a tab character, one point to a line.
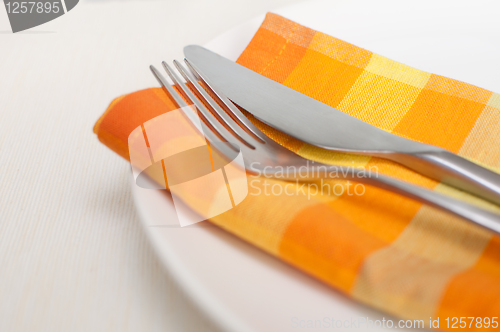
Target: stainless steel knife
318	124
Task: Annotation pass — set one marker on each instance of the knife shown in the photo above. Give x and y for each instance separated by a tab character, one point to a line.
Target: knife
318	124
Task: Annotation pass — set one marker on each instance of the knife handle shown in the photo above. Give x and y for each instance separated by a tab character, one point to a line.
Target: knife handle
453	170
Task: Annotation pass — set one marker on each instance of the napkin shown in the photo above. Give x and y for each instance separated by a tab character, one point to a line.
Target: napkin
382	249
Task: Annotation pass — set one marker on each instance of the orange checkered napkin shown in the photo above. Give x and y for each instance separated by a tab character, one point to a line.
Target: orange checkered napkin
382	249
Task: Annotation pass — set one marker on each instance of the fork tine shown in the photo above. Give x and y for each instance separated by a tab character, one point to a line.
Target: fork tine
237	115
221	114
189	111
212	121
209	132
163	82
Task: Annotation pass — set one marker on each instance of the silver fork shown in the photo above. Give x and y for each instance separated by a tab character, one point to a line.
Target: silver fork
230	131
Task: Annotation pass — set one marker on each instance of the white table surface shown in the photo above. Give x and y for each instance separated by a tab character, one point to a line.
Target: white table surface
73	256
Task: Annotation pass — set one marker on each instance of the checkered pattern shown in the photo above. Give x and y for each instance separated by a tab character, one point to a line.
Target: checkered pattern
382	249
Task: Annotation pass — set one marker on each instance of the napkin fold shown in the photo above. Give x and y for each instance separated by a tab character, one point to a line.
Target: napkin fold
382	249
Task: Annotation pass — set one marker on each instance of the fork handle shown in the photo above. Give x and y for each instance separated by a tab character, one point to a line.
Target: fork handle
477	215
482	217
453	170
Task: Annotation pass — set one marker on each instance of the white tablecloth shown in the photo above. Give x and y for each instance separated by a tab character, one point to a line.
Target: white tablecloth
73	256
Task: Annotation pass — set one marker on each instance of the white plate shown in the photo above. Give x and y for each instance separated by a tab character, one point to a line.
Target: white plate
245	289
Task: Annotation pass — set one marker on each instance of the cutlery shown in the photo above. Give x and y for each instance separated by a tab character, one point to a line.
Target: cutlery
318	124
226	128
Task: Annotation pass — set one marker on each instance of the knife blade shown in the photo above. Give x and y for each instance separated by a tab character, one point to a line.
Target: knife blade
290	111
318	124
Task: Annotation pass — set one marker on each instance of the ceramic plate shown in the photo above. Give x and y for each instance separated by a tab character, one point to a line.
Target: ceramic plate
244	289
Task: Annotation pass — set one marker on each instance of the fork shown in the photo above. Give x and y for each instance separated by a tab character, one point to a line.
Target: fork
230	131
